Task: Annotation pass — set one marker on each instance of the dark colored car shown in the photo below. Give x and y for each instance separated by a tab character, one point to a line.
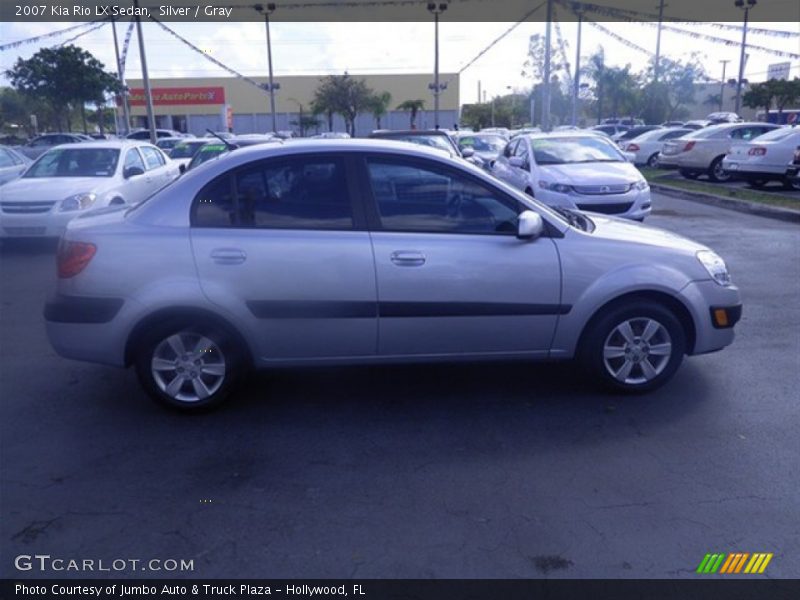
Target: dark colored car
634	132
213	149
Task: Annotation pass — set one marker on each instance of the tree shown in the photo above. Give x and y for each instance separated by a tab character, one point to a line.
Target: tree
675	88
414	106
759	95
379	106
596	70
786	93
65	78
344	95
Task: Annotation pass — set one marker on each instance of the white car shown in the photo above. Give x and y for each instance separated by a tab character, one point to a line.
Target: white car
73	179
701	152
765	158
575	170
12	164
182	153
647	146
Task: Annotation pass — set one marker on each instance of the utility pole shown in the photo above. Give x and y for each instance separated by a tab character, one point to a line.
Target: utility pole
123	94
722	85
151	120
658	41
746	5
271	86
546	82
577	84
437	88
479	91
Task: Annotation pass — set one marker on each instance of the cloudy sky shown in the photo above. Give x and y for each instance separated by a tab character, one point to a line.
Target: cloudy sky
365	48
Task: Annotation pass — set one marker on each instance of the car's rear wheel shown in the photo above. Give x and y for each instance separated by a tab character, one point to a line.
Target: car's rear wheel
635	347
716	172
189	367
689	174
652	162
790	184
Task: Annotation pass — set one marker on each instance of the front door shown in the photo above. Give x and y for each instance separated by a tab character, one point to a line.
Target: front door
453	278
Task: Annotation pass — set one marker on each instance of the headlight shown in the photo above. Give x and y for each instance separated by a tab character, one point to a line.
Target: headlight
715	266
561	188
641	185
78	202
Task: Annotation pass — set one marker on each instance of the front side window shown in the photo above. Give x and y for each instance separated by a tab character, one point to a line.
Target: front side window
152	157
133	159
294	193
75	162
415	197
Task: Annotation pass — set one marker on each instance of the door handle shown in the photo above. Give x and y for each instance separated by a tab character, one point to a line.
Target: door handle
228	256
408	258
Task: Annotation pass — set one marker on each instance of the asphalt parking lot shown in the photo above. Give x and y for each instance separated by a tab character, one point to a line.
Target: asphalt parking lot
492	471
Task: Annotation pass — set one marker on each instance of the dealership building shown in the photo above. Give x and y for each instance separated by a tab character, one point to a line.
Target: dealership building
194	105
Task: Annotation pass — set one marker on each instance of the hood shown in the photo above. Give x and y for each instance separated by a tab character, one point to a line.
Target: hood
38	189
599	173
622	230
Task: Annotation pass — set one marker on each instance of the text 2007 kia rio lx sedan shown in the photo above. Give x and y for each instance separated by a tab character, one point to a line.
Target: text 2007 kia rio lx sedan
345	251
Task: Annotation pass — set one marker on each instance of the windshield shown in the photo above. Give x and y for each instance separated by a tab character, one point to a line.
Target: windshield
206	153
433	141
186	149
482	143
566	150
75	162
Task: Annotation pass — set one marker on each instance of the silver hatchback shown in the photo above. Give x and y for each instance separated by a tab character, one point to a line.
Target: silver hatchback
345	252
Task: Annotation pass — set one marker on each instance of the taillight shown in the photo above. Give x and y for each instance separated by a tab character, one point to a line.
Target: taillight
757	151
688	146
73	257
633	147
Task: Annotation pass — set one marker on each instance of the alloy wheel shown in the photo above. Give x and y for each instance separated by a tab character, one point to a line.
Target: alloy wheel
188	367
637	351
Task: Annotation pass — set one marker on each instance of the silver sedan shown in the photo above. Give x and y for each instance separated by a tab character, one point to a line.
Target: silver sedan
370	251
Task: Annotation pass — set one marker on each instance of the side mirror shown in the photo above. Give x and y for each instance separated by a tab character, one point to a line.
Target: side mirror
182	168
132	172
529	225
467	152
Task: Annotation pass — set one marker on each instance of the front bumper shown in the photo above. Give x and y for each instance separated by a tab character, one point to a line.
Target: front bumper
748	172
51	224
704	299
635	204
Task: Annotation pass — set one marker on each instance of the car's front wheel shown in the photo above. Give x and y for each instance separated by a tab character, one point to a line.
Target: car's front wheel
717	173
635	347
652	162
189	368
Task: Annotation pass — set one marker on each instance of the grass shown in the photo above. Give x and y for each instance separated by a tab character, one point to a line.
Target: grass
667	178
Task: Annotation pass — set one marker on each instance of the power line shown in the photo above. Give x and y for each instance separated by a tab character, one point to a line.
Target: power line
82	33
36	38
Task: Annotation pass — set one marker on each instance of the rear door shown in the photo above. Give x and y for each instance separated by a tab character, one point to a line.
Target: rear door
453	279
281	245
159	171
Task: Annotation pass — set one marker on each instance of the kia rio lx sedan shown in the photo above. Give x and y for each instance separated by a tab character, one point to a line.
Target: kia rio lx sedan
372	251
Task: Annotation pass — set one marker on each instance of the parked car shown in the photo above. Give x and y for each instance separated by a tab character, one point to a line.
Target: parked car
764	159
647	146
504	131
697	124
575	170
672	124
12	164
433	259
144	134
182	153
486	146
609	130
219	134
432	138
793	170
701	152
332	135
41	144
716	118
623	137
73	179
168	143
211	149
525	131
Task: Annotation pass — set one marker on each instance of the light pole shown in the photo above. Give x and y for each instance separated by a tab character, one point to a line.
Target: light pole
123	91
513	106
437	88
151	120
577	85
722	85
658	41
745	5
270	87
547	82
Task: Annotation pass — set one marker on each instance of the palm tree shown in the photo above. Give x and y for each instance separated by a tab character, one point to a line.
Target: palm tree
596	70
414	106
379	105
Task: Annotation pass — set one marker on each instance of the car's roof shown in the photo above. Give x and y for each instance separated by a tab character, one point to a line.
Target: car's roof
580	133
118	144
391	132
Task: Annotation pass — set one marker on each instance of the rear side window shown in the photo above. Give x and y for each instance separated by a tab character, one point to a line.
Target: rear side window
293	193
152	157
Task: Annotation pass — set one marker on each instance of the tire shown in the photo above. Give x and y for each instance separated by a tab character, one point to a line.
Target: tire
652	162
790	185
632	366
715	172
201	377
689	174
